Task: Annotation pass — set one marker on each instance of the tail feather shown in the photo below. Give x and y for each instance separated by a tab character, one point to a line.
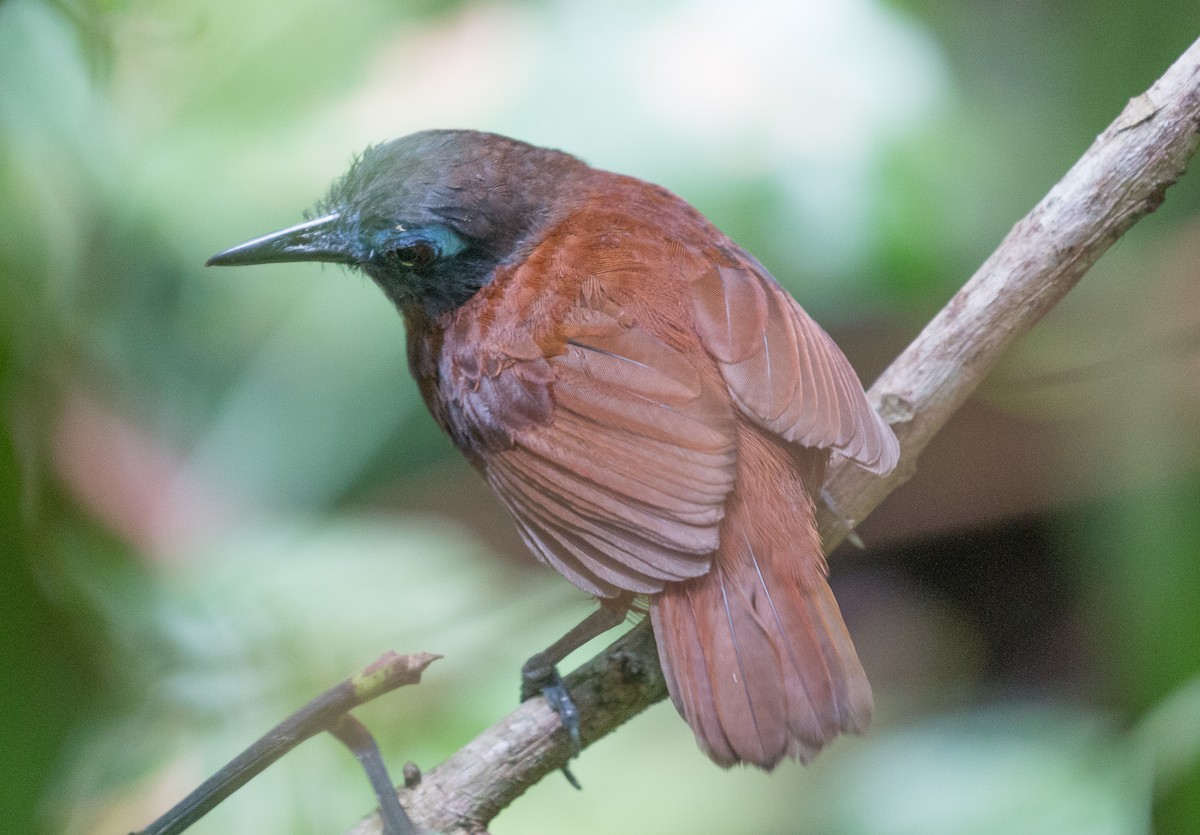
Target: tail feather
756	655
750	702
696	692
808	681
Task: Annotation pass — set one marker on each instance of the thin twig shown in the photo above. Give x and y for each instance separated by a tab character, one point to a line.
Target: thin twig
355	736
1120	179
386	674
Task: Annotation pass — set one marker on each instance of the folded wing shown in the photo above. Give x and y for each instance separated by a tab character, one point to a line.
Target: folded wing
783	371
623	488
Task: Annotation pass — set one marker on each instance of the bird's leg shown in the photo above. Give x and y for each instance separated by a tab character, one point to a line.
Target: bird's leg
540	675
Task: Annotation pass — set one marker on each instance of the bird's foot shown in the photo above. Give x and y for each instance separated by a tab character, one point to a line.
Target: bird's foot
539	677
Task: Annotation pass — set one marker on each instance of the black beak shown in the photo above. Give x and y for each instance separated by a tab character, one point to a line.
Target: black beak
320	239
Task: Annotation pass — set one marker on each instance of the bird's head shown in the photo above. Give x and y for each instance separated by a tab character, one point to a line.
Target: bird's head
429	216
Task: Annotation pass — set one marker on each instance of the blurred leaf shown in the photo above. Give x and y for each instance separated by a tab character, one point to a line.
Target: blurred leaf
1013	769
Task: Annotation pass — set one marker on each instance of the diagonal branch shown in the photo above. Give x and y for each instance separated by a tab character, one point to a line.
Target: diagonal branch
1120	179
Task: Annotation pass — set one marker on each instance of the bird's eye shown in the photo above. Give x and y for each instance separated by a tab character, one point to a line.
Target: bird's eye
416	256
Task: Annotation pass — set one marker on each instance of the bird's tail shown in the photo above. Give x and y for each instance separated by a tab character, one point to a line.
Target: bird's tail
755	653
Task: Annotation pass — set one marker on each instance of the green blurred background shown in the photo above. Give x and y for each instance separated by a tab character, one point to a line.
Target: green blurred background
220	493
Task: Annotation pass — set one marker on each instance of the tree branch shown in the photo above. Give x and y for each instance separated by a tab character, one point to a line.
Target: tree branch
1119	180
1122	178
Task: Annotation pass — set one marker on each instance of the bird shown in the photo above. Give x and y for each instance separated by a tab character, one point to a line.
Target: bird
653	409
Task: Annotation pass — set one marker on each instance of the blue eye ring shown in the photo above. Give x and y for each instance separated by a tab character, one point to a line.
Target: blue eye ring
414	249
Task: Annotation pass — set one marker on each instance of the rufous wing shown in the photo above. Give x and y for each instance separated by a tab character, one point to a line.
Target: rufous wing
622	488
783	371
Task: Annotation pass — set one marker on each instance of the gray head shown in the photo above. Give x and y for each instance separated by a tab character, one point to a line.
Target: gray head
429	216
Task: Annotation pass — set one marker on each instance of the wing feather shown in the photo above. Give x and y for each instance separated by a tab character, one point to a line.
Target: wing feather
621	483
783	371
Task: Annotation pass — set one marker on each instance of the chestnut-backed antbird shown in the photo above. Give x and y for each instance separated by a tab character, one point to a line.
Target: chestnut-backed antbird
653	409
